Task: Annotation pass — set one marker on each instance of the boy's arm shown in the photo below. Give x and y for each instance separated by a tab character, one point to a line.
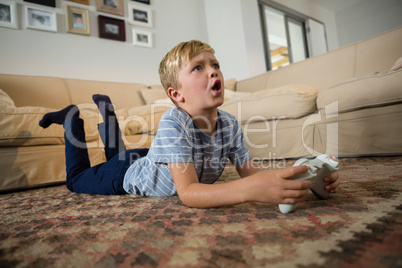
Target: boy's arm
266	186
247	169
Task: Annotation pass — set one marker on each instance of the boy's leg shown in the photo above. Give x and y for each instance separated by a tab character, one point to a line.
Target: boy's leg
105	178
59	117
76	152
109	130
77	159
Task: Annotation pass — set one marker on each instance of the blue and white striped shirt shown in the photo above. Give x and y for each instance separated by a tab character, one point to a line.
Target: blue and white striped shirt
179	140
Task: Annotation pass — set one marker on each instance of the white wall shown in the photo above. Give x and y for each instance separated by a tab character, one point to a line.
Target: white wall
366	19
232	27
61	54
234	31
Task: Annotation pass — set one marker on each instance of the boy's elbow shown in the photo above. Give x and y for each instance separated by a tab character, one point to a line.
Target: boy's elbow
189	201
194	200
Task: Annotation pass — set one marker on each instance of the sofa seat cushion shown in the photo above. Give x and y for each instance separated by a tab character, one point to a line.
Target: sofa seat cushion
397	65
153	94
290	102
5	100
20	125
142	119
375	90
157	95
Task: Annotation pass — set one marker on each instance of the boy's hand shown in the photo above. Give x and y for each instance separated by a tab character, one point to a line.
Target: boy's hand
269	186
332	180
274	186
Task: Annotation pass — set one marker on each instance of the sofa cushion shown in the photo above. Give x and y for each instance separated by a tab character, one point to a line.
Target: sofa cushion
38	91
378	89
139	120
230	83
123	95
153	94
397	65
231	94
292	101
156	95
20	125
5	100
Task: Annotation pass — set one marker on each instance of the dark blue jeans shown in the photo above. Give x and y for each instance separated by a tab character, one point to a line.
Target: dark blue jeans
105	178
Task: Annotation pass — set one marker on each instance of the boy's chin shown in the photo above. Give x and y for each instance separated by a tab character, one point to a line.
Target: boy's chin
219	100
219	104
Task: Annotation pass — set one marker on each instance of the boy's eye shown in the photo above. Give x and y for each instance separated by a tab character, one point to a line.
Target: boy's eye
215	66
197	68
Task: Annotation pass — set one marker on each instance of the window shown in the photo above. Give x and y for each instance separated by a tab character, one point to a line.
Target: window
289	37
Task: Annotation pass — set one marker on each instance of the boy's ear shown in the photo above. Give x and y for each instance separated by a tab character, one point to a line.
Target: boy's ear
175	94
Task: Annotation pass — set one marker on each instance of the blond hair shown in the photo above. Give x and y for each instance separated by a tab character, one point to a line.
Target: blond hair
179	55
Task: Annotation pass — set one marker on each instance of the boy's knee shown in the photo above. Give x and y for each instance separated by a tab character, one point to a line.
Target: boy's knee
69	186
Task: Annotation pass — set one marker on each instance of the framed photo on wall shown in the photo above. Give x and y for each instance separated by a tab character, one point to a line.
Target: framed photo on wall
147	2
8	14
111	6
111	28
142	38
40	19
49	3
139	15
85	2
77	20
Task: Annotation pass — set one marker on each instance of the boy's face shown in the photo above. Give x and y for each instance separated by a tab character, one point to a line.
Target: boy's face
201	84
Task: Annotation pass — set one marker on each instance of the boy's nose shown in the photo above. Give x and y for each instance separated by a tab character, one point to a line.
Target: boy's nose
213	72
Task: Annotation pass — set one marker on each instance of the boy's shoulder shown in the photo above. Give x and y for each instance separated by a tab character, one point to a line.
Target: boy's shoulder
227	119
176	114
226	115
173	111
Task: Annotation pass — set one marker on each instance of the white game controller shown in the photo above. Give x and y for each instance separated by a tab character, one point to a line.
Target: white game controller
319	168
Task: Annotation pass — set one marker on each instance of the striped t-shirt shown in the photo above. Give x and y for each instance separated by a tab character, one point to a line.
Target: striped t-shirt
179	140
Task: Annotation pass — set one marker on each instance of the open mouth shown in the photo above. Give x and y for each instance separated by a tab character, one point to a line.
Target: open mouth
216	86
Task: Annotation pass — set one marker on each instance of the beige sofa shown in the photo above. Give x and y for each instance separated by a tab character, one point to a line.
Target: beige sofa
346	102
359	103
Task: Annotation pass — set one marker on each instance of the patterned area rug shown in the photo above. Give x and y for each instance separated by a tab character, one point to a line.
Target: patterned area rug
361	226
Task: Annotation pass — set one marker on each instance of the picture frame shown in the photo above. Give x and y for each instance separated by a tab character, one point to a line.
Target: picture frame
146	2
40	19
139	15
49	3
142	38
77	20
111	28
85	2
111	6
8	14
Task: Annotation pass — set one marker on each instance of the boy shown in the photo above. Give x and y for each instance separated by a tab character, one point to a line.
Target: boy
189	152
